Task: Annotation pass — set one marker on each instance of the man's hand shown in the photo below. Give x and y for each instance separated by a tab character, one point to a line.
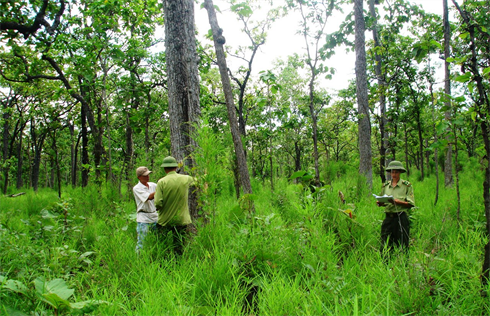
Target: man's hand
151	196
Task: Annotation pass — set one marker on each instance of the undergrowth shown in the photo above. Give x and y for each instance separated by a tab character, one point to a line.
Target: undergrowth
301	253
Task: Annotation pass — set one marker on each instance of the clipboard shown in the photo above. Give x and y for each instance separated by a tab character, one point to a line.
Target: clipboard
383	198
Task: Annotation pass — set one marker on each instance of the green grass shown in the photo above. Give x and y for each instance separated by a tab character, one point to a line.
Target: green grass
298	254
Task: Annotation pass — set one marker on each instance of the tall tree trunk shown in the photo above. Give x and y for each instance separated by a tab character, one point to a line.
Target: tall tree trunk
364	125
405	135
20	158
73	153
456	172
56	163
37	142
5	145
147	131
382	96
436	153
297	156
85	160
183	84
219	40
482	107
421	143
128	157
448	164
427	157
486	200
103	96
314	125
99	151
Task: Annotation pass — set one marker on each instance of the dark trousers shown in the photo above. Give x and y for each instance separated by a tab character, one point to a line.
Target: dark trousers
174	235
395	231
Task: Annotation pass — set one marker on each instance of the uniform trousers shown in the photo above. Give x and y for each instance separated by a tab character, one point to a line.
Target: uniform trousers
176	236
395	231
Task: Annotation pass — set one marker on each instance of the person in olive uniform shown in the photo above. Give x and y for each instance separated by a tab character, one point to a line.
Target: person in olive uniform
171	201
395	230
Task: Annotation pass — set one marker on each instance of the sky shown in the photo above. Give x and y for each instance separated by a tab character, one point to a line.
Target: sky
283	41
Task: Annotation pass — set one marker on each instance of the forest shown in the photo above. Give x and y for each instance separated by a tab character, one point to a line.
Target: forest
286	167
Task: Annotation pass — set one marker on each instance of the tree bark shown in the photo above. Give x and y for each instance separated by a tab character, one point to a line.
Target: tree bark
448	165
364	124
421	142
73	155
128	156
183	84
5	142
85	160
382	96
56	163
482	106
20	159
37	143
436	152
219	40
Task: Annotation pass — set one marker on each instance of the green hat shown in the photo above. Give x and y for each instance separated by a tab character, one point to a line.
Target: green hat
395	165
169	162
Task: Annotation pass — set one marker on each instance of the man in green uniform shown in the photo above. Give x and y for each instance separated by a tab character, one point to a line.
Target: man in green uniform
171	201
395	230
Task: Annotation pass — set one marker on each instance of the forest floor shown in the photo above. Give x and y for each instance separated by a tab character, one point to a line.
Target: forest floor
298	254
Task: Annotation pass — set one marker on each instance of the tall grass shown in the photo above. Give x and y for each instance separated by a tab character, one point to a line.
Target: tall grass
300	253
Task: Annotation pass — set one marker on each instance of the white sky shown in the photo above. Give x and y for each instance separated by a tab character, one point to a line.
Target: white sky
283	41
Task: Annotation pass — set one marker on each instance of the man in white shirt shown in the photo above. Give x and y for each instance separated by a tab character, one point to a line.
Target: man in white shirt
146	212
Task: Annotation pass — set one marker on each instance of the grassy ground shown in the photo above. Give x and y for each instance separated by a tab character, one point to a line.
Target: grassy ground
299	254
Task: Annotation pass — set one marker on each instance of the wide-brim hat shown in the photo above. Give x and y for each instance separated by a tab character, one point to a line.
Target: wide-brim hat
169	162
395	165
142	171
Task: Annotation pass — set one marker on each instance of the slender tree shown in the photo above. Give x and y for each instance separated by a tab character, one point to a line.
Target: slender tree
473	23
382	87
219	40
365	159
448	162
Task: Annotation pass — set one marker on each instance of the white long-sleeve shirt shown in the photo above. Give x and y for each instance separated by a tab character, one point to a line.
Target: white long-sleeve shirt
146	211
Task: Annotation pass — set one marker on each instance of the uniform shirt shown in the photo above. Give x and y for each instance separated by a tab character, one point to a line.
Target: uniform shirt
146	211
171	199
402	191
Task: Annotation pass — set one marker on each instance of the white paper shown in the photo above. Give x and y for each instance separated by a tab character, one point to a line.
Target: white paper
383	198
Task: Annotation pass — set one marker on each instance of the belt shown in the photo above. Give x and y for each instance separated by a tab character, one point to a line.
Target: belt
394	214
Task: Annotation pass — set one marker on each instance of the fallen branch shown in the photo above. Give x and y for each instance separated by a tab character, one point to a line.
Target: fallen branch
17	194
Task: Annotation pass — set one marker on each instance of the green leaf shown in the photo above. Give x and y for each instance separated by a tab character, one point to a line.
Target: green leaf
297	174
436	44
473	116
461	98
46	214
54	292
486	71
464	35
242	9
13	285
55	301
441	127
463	78
10	311
87	307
